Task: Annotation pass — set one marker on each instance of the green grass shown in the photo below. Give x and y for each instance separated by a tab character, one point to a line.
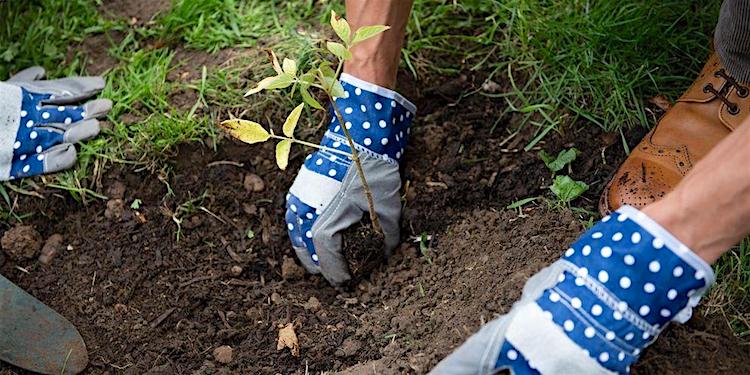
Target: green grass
578	59
40	33
730	296
568	63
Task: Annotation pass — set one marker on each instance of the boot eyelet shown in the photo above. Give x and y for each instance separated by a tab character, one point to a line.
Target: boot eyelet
719	73
733	110
743	92
707	88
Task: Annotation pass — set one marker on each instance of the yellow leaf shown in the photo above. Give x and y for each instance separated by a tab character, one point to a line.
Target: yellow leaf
275	61
280	81
290	67
262	85
282	153
246	131
341	27
291	121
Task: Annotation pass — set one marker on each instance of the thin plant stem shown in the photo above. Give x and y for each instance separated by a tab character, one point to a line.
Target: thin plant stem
360	172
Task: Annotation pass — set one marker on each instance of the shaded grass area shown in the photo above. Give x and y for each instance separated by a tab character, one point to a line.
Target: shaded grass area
566	62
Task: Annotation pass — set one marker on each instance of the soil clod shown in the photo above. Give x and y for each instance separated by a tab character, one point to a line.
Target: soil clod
21	242
115	209
253	183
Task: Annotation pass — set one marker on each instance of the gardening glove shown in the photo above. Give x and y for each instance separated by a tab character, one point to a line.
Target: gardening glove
594	310
327	196
40	121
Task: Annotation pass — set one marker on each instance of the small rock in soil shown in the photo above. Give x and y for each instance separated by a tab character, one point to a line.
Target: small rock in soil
313	304
235	271
253	183
21	242
53	246
276	298
349	347
115	209
224	354
290	270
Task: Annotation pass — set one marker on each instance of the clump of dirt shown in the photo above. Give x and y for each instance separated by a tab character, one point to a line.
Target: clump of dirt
22	242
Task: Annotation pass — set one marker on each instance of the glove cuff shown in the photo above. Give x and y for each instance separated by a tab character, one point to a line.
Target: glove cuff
377	118
10	113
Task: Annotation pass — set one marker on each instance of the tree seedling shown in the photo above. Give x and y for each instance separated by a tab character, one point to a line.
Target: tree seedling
321	76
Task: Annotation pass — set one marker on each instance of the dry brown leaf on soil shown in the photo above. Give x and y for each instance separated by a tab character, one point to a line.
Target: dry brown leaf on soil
662	102
288	339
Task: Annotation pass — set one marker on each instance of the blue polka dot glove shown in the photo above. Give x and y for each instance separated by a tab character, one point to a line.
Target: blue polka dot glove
594	310
40	121
327	197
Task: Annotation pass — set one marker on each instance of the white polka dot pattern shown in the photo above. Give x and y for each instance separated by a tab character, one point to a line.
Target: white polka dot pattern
621	285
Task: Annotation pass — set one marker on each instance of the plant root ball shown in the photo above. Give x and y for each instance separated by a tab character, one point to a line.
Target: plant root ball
363	250
22	242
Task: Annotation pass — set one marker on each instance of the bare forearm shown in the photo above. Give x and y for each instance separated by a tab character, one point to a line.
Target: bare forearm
709	211
376	60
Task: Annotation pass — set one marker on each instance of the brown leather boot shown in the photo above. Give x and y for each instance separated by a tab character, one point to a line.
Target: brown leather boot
710	109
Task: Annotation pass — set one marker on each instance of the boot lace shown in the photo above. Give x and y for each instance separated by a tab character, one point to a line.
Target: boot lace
721	94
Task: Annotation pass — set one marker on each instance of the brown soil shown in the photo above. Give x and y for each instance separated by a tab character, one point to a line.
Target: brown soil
148	303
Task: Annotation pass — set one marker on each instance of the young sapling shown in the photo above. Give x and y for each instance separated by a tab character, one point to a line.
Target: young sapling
323	77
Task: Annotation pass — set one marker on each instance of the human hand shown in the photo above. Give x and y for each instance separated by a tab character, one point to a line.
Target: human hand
40	121
594	310
327	196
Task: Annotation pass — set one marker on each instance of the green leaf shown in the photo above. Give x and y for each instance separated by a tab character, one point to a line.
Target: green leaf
326	71
341	27
282	153
367	32
332	86
337	90
290	67
339	50
282	81
246	131
291	121
424	248
250	234
136	204
521	202
304	91
566	189
563	158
